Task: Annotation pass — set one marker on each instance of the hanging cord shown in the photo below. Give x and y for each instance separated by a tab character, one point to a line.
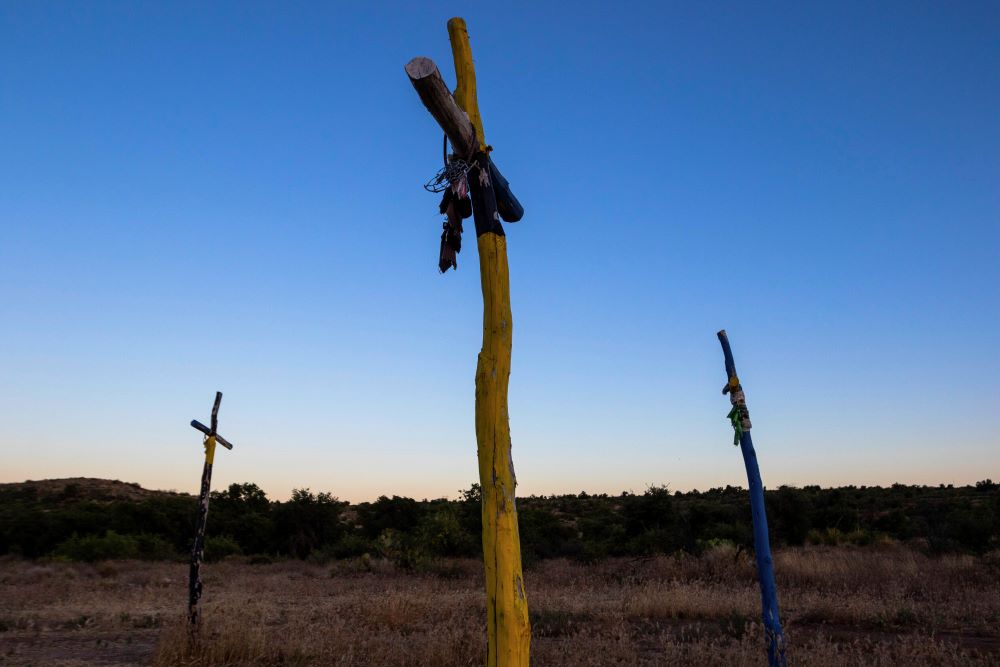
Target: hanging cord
453	181
451	173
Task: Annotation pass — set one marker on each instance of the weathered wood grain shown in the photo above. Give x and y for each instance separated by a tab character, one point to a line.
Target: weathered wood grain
434	93
508	626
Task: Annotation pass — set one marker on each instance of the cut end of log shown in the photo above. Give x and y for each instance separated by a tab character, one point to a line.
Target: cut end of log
421	68
434	93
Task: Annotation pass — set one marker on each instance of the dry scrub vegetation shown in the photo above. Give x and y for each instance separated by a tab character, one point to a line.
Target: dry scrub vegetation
842	606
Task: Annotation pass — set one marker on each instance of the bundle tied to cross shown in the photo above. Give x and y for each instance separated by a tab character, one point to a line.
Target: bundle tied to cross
456	205
739	416
470	181
456	202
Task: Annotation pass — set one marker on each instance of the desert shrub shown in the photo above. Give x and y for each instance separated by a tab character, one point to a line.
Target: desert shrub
859	537
440	532
545	535
154	547
827	536
835	537
715	544
396	513
942	519
893	521
350	545
404	550
602	533
218	547
170	517
652	524
244	512
968	528
788	514
306	522
470	513
652	510
91	548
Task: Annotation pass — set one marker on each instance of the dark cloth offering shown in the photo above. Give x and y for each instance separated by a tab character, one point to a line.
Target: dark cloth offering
457	206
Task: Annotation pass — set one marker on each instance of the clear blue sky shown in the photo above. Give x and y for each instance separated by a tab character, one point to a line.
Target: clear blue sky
202	196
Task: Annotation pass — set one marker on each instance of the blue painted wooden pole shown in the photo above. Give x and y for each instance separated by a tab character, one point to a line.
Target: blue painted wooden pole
740	417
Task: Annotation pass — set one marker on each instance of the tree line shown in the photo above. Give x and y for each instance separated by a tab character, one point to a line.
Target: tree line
412	533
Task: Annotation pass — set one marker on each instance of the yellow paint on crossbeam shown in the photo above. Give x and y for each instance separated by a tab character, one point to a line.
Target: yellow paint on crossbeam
508	627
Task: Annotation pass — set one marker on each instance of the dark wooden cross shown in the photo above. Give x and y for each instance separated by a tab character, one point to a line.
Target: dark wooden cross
198	548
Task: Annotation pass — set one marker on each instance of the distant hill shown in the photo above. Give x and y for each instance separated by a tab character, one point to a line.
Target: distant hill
80	489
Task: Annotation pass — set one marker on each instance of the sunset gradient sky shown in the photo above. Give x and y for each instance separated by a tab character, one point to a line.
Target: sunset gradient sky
227	195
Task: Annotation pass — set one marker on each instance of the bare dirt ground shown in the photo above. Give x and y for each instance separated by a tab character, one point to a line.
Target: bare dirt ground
841	606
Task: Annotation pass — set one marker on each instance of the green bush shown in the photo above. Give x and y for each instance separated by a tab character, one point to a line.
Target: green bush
404	550
350	545
397	513
441	533
154	547
861	538
76	525
92	548
306	522
218	547
835	537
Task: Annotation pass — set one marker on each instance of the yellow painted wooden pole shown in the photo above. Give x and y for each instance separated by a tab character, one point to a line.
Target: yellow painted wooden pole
508	628
465	73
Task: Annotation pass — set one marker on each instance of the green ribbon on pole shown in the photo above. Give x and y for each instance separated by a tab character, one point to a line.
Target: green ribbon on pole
737	419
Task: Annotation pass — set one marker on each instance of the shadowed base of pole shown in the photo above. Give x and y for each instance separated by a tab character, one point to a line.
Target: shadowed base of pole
765	563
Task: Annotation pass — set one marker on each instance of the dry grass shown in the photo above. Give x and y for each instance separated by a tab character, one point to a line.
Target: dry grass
841	606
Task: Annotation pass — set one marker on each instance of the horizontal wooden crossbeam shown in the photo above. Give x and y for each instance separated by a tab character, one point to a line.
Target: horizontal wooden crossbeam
207	431
434	93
